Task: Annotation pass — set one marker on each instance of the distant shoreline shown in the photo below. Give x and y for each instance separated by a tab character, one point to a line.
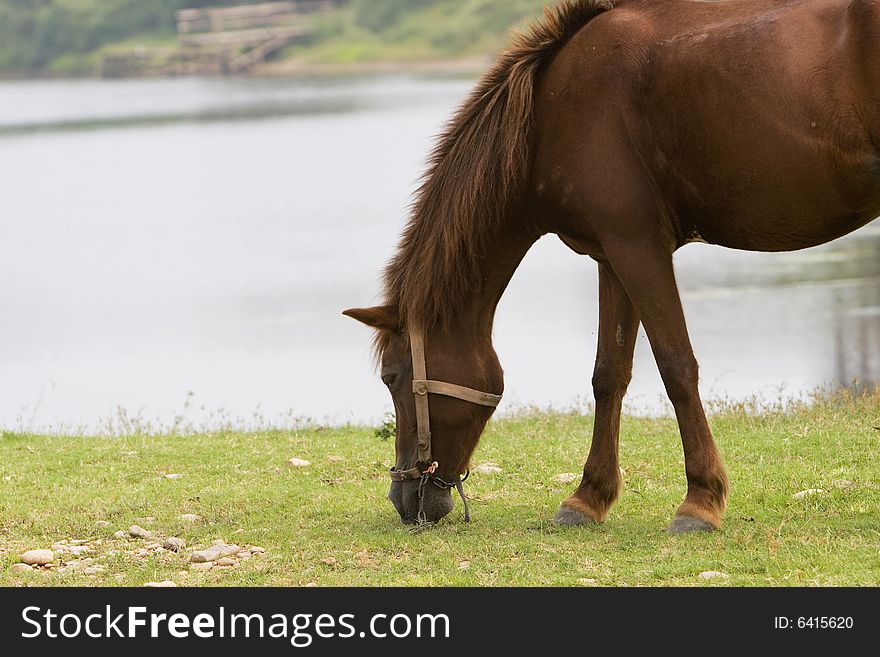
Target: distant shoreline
292	68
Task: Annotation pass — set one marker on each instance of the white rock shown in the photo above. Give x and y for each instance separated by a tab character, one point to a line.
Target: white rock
78	550
587	581
206	565
298	463
487	468
102	524
806	493
119	534
214	553
257	550
225	561
244	554
174	544
566	478
713	574
38	557
94	570
167	584
218	541
19	568
174	476
191	517
139	532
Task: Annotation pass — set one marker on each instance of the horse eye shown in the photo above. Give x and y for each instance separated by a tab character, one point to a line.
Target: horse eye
389	379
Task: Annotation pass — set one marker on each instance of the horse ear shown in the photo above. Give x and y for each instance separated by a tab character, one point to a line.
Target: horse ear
378	317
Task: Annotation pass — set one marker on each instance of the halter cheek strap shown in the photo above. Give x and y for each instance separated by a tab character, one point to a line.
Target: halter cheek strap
425	467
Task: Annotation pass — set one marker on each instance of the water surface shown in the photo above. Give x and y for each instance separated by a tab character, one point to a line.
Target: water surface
183	249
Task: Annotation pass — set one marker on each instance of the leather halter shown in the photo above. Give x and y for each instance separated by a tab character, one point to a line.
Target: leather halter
425	469
422	386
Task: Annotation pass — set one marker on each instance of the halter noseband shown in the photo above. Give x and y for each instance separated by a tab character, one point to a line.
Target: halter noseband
425	467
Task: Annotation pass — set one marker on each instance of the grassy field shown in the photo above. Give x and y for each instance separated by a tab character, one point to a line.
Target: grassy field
329	524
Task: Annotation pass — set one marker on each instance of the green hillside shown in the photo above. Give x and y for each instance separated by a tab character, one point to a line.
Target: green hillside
70	37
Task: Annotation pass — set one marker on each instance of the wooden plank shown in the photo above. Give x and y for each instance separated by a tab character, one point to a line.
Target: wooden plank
246	16
258	54
242	38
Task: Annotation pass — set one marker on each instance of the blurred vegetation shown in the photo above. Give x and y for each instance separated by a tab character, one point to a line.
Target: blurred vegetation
418	29
35	34
70	36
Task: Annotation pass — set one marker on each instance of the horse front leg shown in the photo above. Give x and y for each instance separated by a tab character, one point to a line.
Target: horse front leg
618	327
646	272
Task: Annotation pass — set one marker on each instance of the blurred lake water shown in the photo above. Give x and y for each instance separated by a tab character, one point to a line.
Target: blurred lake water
182	249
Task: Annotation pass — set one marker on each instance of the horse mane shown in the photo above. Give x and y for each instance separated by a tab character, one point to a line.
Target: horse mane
476	167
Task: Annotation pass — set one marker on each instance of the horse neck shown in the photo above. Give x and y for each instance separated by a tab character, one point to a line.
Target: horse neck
502	258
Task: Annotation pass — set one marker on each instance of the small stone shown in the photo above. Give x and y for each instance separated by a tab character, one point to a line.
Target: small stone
298	463
566	478
38	557
807	493
225	561
94	570
137	531
191	517
218	541
713	574
78	550
167	584
174	476
257	550
464	565
244	554
59	547
487	468
183	573
330	561
311	585
206	565
214	553
119	534
174	544
587	581
102	524
19	568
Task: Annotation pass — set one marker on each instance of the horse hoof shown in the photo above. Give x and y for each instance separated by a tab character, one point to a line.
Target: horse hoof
688	525
572	517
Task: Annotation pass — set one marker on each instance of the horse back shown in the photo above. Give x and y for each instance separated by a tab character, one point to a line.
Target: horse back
753	124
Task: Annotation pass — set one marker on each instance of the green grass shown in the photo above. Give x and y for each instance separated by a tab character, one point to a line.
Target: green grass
54	488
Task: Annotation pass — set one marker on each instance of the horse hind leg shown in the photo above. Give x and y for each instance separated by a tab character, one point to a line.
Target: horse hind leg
618	328
646	272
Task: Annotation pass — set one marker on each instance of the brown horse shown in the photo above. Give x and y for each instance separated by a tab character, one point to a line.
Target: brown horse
629	129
